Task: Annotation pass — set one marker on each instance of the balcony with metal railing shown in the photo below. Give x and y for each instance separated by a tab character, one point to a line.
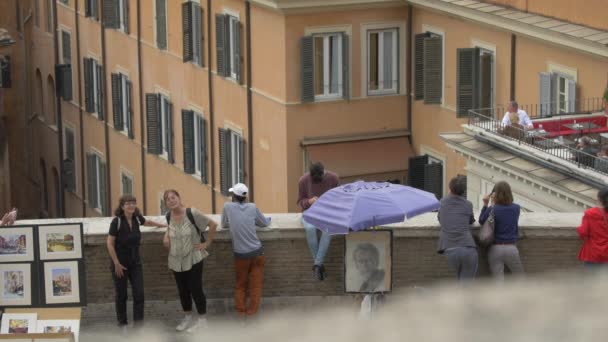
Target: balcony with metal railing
574	138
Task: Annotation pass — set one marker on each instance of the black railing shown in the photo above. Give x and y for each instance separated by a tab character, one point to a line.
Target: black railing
562	147
553	109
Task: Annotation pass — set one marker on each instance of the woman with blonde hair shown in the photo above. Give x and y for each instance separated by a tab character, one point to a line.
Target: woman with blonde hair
123	242
187	249
503	252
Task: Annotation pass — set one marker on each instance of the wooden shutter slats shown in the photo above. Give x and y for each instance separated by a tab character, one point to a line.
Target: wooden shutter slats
188	141
307	73
129	110
111	14
88	85
345	67
187	8
432	69
161	24
236	29
419	65
221	46
415	172
433	179
467	80
153	123
100	93
117	101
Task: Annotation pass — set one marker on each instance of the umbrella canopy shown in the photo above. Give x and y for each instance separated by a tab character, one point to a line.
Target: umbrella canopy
361	205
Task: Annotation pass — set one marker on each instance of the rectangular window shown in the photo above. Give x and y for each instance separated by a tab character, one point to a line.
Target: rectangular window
328	65
91	9
96	169
165	109
192	29
161	24
125	94
233	26
199	144
232	159
121	104
96	86
235	160
48	6
486	80
382	54
123	15
126	183
66	48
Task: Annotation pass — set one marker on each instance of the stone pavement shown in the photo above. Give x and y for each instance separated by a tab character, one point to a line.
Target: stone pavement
99	320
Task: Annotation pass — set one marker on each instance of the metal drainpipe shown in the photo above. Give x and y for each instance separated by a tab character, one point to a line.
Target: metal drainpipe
81	113
106	109
249	99
141	109
513	65
61	189
408	79
211	116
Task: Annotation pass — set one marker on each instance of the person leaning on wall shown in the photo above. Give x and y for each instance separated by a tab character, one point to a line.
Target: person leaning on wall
123	243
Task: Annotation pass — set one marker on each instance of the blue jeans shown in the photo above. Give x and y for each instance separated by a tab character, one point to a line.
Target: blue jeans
318	247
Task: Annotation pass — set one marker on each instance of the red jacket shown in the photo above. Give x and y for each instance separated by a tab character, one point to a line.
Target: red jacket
594	232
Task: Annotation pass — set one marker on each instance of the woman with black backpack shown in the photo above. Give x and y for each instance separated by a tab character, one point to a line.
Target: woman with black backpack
123	246
187	248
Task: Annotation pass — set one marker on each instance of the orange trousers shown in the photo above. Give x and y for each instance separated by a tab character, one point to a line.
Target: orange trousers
249	275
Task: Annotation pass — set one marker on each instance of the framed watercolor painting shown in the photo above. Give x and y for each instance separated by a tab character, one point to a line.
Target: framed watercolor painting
18	323
61	283
16	282
58	242
17	244
58	327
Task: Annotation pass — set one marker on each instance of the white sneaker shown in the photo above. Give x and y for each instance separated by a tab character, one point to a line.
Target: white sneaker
185	322
200	323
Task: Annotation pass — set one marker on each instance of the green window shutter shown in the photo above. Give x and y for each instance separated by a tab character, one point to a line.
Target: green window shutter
225	160
571	105
170	143
88	11
467	88
221	45
161	24
111	14
419	65
187	31
238	68
63	81
117	102
88	85
153	123
197	26
100	83
433	179
130	111
415	171
66	48
92	180
241	170
308	70
544	91
70	162
188	140
345	67
126	16
103	191
5	72
433	64
203	149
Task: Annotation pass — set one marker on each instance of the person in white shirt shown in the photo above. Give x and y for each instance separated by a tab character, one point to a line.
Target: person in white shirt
524	119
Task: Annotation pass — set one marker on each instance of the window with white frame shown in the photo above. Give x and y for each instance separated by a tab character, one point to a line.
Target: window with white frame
327	52
121	103
382	63
199	144
165	131
235	158
96	174
232	159
233	25
93	87
562	94
123	15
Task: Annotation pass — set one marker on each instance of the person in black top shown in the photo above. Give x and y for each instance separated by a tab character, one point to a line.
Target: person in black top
123	246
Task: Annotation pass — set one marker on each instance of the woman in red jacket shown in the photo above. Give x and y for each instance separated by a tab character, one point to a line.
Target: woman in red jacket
594	232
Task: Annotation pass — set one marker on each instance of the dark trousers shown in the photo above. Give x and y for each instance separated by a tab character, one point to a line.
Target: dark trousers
190	287
134	274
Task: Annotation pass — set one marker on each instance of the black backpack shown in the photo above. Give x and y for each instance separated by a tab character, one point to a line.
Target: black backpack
191	218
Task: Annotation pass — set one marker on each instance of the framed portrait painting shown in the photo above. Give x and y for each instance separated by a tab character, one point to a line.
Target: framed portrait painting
368	262
16	282
18	323
17	244
58	242
61	282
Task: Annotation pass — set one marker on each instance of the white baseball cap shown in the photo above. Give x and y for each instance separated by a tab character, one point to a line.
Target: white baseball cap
239	189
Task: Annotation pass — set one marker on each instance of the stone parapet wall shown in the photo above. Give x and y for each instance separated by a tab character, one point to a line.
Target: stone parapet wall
549	243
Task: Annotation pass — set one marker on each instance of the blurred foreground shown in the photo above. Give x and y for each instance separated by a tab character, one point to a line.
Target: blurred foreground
551	308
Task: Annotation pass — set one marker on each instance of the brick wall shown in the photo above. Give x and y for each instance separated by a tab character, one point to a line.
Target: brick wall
545	247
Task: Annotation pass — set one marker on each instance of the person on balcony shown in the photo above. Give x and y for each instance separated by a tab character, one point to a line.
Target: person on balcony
601	162
586	152
310	187
514	111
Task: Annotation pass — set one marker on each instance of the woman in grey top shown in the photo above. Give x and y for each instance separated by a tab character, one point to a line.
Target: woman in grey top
187	249
455	238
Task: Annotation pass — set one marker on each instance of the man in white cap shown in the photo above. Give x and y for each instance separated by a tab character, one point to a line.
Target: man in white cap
242	219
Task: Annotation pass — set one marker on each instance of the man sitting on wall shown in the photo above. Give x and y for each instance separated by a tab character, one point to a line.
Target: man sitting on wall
524	119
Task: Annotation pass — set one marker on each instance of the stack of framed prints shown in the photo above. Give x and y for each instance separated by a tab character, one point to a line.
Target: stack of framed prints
42	266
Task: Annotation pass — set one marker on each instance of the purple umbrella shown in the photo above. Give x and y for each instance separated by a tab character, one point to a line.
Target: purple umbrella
360	205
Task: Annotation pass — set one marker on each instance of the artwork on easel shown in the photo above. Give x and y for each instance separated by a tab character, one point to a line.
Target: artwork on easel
61	283
368	262
59	242
16	244
16	283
